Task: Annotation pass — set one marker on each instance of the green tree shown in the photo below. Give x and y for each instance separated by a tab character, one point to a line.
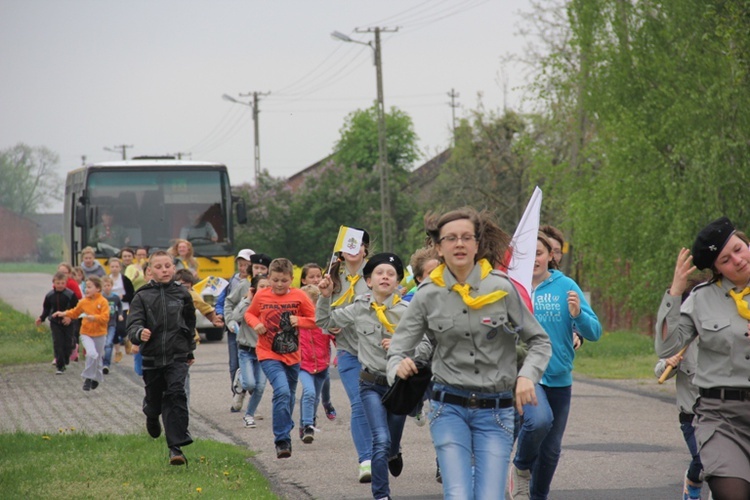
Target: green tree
28	178
651	112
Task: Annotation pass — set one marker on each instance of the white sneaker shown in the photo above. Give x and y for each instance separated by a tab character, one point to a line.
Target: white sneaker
365	472
518	483
249	421
237	400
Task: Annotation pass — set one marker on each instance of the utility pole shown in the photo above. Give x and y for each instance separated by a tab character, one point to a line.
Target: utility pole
453	104
386	216
121	147
256	129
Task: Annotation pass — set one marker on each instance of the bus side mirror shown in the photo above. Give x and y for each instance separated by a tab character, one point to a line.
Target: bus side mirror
241	211
80	215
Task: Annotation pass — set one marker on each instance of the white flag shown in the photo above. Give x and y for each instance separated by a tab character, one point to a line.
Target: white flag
523	245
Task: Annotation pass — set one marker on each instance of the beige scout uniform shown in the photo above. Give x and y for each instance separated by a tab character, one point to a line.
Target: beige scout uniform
361	316
347	339
475	349
723	369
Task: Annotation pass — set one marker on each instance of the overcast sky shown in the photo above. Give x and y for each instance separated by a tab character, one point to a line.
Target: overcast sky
78	76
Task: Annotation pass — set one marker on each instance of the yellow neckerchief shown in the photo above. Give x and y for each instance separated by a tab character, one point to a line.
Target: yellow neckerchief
739	300
380	312
348	296
463	290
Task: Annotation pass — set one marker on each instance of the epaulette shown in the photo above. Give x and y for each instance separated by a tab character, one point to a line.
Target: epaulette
498	272
365	297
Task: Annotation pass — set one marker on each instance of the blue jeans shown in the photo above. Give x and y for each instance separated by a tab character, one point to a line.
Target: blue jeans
387	429
549	448
536	423
349	369
234	358
283	379
109	345
461	435
325	393
688	432
252	378
138	363
312	384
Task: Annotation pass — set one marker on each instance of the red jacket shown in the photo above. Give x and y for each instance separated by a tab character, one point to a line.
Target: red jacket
315	347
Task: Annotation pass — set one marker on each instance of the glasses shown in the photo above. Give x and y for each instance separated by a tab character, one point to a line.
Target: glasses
453	239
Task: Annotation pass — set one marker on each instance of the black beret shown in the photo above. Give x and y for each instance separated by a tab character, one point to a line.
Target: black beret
710	242
260	258
384	258
365	235
404	395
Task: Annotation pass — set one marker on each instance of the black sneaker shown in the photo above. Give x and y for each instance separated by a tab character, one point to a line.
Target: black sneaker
438	475
105	370
308	435
396	465
153	427
94	384
87	384
176	457
283	449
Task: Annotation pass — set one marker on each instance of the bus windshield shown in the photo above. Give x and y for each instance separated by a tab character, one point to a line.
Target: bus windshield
154	207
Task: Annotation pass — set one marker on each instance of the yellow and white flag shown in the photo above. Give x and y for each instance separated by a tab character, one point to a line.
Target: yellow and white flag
213	285
349	240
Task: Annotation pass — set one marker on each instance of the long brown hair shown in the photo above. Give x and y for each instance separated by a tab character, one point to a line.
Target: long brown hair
492	242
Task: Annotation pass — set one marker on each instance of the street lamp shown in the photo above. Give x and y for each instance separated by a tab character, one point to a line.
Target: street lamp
254	106
385	205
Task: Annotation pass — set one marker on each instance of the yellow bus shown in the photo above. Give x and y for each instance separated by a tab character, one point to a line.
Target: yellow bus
150	202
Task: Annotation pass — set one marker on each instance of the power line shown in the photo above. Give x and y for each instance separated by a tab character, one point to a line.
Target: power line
122	148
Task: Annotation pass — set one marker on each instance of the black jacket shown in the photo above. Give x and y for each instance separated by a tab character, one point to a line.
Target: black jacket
167	310
56	301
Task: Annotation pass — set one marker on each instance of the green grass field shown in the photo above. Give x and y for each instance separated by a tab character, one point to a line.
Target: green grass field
20	341
72	465
617	355
28	267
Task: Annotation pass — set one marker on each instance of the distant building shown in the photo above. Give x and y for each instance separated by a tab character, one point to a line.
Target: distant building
19	237
48	223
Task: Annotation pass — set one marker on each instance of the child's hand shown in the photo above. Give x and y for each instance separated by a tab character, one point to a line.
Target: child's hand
574	304
386	343
58	314
145	335
66	321
293	320
217	322
120	318
674	361
38	321
260	329
576	341
135	348
250	294
325	286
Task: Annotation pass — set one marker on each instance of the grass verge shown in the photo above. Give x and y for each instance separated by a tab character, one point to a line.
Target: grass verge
28	267
21	341
71	465
617	355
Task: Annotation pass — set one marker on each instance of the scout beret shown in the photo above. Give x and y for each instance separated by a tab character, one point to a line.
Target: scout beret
260	258
710	242
384	258
404	395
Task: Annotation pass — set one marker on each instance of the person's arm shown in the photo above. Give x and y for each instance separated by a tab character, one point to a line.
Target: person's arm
118	307
46	310
327	318
586	322
212	234
101	318
221	301
252	317
73	313
136	322
306	314
129	289
188	316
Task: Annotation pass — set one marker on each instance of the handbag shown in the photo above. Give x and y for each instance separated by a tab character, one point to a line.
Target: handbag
286	340
404	395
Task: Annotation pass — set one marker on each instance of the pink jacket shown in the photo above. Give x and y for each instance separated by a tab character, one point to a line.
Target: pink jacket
315	347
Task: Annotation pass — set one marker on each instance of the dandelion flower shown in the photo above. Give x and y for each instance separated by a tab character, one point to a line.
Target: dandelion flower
46	437
199	489
226	473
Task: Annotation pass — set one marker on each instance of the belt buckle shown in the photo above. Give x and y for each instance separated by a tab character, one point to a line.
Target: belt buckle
473	403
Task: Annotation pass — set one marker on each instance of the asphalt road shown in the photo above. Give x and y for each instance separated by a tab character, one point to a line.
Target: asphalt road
623	439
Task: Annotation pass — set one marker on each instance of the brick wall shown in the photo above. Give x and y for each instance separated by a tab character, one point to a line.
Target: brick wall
18	237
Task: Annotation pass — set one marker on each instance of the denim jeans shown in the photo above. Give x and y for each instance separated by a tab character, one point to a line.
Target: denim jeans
461	435
349	369
312	384
234	358
283	379
252	378
688	432
387	429
325	393
138	363
108	345
535	425
549	449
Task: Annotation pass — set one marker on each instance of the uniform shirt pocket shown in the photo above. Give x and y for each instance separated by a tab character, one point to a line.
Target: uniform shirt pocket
716	335
440	325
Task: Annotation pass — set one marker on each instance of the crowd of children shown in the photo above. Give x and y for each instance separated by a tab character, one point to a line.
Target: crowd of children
284	335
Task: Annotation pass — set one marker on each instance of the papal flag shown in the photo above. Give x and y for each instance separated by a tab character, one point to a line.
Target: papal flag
520	262
213	285
349	240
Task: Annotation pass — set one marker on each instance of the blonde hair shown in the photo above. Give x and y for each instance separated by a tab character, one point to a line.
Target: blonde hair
107	279
88	250
189	260
312	291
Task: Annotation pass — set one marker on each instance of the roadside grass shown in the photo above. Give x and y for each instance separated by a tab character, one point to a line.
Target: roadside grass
71	465
28	267
617	355
21	342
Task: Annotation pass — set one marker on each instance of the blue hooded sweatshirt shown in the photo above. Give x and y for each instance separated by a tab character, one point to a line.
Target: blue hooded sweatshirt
551	310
